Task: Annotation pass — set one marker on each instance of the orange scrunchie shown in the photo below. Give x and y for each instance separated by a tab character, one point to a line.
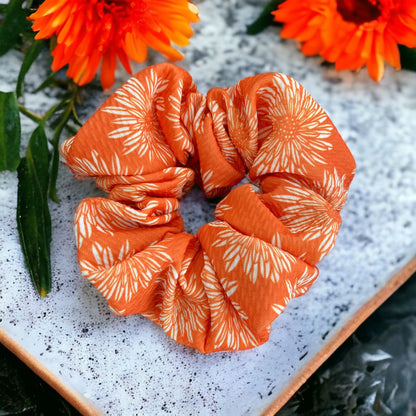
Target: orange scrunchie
149	142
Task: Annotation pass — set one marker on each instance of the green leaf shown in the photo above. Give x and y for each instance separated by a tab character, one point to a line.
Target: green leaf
12	26
33	217
407	58
30	57
265	19
38	151
9	132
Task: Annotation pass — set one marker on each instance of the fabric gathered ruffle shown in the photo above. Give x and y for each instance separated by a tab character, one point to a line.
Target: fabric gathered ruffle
149	143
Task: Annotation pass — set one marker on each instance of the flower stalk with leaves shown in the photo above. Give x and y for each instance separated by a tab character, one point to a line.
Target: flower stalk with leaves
37	171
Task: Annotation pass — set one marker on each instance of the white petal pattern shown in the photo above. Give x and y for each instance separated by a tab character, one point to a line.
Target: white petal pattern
97	166
137	118
181	134
259	258
228	327
304	211
119	276
243	125
184	310
293	129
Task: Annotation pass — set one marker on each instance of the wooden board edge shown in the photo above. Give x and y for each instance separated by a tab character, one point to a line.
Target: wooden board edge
337	339
70	395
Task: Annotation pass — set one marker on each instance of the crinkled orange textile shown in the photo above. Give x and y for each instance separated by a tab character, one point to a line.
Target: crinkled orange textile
149	142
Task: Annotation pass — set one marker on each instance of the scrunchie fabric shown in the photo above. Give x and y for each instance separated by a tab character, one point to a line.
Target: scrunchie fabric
148	144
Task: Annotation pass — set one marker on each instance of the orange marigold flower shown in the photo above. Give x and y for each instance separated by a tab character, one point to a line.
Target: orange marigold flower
351	33
90	32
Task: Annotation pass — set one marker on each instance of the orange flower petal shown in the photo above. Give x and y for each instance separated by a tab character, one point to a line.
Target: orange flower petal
114	29
375	65
351	38
47	8
312	47
391	52
59	57
124	59
107	70
159	42
136	49
65	30
77	68
91	68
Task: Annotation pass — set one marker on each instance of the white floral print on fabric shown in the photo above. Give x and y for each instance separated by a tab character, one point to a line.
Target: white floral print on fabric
293	131
228	327
136	117
259	258
119	275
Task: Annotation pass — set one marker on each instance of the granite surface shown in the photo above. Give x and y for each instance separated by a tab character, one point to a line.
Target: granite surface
127	365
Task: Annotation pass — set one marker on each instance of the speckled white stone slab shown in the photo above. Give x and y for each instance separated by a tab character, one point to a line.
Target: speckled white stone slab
127	365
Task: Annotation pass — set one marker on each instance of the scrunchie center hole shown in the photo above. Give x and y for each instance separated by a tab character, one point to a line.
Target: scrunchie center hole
196	210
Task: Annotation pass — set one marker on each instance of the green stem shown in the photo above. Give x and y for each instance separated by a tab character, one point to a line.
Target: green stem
53	109
55	144
71	130
34	117
265	19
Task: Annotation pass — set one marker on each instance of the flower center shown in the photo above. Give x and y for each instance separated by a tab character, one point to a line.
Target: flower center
359	11
121	8
288	128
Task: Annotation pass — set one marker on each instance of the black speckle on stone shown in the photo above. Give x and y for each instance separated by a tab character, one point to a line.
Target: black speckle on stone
362	238
84	330
303	356
341	308
325	335
370	368
400	258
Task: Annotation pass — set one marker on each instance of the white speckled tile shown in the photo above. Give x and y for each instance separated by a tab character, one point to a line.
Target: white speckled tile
127	365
